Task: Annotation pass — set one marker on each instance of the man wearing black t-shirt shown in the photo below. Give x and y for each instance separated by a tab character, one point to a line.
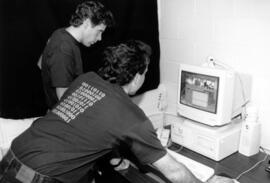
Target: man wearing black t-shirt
61	60
94	117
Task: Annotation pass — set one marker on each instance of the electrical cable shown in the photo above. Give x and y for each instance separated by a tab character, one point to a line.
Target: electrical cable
254	166
179	149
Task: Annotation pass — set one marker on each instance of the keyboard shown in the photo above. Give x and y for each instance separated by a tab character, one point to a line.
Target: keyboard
201	171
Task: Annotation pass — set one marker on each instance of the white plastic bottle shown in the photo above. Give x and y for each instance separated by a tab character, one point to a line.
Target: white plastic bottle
250	133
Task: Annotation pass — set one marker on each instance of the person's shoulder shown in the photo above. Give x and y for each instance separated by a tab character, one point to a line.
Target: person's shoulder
57	32
60	34
90	76
66	47
58	38
91	73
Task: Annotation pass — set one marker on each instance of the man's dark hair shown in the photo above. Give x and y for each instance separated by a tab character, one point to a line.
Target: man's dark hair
124	61
93	10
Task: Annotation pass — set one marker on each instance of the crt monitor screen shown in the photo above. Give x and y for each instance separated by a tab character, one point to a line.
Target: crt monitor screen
199	91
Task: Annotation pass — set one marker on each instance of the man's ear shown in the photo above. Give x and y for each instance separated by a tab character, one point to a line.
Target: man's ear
87	23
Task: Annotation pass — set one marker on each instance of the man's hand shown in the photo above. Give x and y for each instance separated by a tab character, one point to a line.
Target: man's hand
122	166
175	171
220	179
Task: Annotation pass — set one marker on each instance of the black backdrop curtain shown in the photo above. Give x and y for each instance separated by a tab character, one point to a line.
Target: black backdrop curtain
27	24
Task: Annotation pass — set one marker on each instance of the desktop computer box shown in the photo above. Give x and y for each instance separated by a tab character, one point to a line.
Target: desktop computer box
213	142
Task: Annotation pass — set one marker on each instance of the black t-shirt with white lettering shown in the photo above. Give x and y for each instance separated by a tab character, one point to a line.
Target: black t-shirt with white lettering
91	119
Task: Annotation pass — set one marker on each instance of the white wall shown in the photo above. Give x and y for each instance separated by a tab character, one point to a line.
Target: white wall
234	32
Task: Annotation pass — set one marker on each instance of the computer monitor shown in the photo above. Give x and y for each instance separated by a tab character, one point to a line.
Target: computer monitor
212	96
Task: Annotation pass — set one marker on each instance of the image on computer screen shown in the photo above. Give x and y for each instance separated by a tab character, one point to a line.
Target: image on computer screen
199	91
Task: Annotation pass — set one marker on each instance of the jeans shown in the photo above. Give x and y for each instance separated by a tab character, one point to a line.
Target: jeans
14	171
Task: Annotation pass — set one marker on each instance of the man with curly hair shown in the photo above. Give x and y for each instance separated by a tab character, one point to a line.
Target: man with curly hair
94	117
61	59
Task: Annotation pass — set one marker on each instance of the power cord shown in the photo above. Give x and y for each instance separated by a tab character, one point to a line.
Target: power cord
255	165
179	149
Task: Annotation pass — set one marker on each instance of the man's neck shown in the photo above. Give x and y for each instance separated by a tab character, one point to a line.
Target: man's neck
74	32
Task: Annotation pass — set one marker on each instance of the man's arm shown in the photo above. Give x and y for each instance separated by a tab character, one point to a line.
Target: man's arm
179	173
60	92
175	171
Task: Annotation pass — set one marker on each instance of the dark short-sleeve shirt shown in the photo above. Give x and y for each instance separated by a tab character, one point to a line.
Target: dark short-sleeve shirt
61	64
91	119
